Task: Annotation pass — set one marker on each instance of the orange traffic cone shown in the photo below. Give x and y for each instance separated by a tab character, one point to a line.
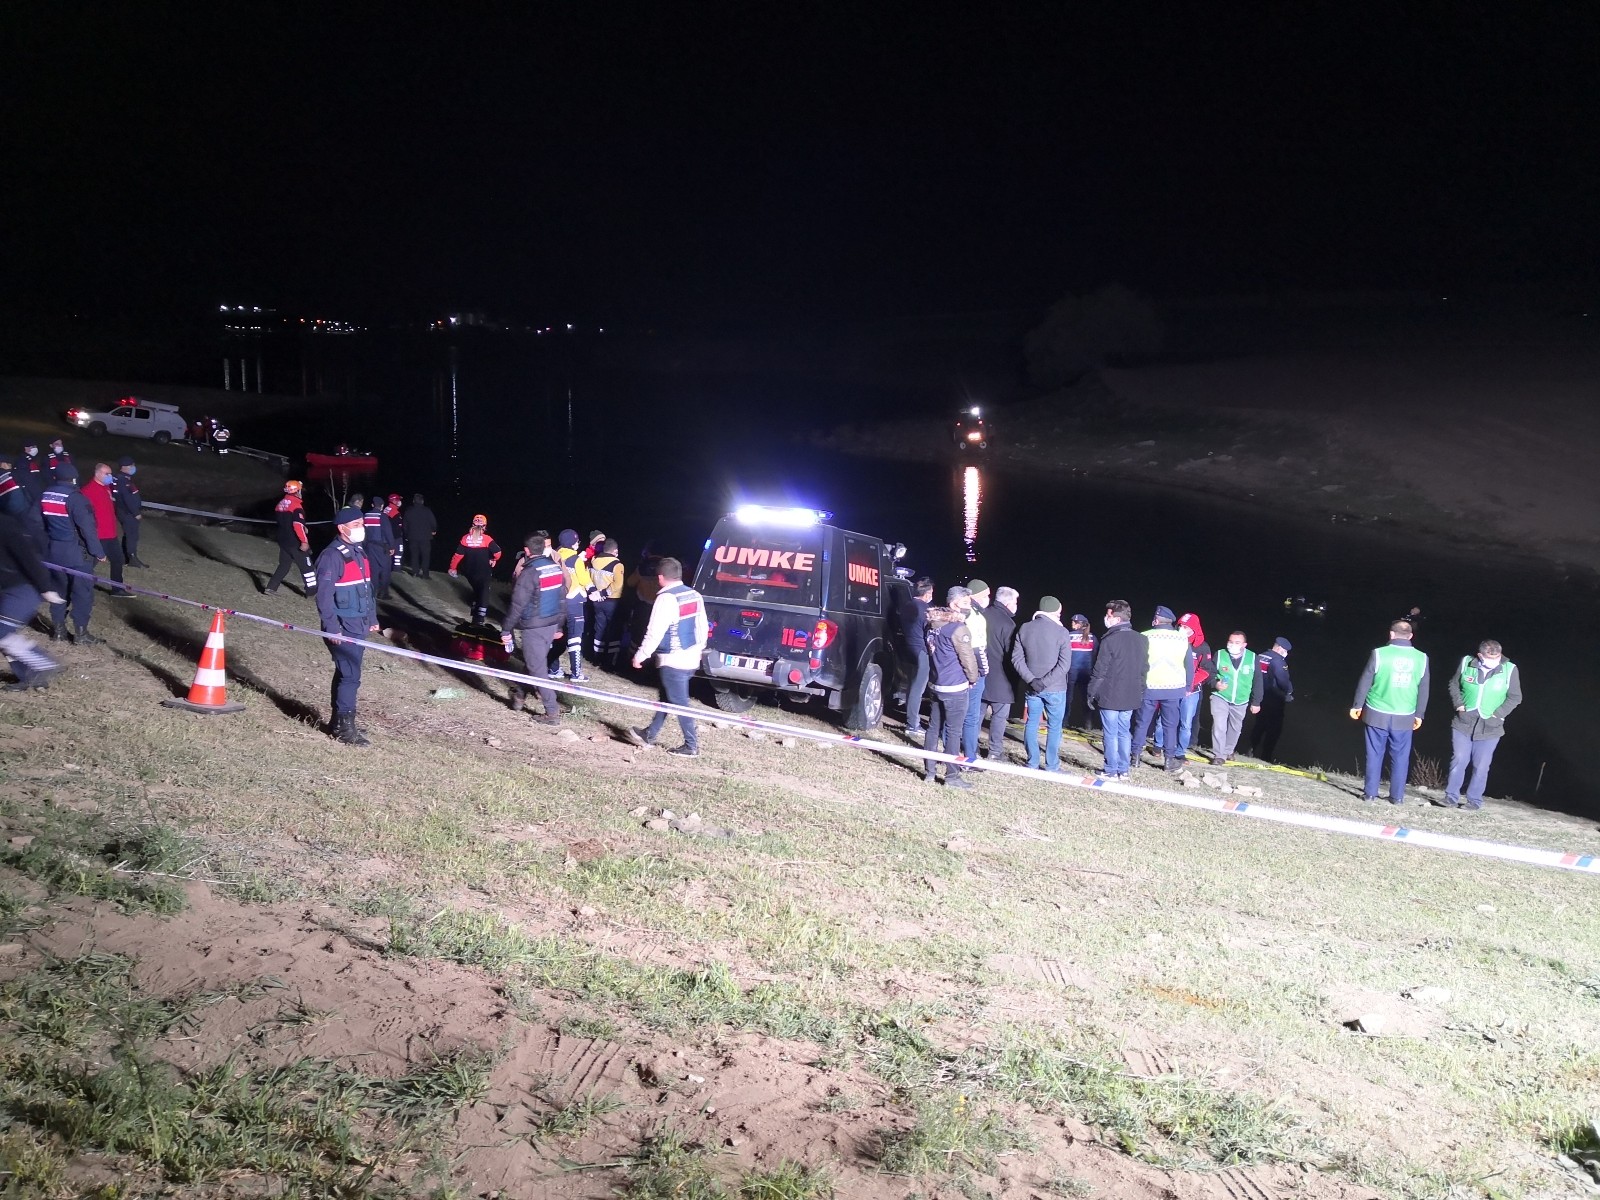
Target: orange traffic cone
209	692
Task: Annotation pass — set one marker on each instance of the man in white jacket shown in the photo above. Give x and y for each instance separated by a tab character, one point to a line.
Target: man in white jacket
677	635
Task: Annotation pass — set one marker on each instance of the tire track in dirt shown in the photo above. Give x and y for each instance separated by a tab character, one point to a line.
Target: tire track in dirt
1043	970
578	1066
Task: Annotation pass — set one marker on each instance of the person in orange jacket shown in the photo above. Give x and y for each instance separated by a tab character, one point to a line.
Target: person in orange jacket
475	557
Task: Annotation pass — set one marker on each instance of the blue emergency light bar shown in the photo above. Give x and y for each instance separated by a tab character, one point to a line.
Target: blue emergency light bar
767	514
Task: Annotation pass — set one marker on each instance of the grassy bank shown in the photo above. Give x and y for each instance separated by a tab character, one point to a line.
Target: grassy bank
236	952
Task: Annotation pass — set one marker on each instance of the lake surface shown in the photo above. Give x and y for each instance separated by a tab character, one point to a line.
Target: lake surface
553	438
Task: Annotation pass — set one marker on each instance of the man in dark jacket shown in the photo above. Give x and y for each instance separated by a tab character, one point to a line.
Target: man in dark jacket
952	670
1483	692
537	614
999	691
70	527
1116	685
914	622
1041	655
380	546
1277	690
348	606
23	580
125	492
1390	698
30	470
421	528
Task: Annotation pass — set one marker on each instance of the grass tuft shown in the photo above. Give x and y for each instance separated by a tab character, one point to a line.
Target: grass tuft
573	1117
787	1181
69	873
950	1137
671	1167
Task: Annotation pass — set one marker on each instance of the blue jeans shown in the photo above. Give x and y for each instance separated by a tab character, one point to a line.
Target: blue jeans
1396	741
973	720
1187	708
674	690
1464	750
1053	707
946	715
914	694
1119	740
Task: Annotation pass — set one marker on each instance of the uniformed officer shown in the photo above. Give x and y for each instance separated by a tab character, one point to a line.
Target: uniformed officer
129	505
23	580
537	614
294	547
71	542
475	557
30	470
579	582
606	576
348	606
57	461
380	545
398	525
1390	698
678	630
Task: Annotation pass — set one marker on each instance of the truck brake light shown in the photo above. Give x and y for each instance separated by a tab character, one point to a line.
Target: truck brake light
822	636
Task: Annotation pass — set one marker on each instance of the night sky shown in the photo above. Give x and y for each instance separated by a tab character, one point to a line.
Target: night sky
637	161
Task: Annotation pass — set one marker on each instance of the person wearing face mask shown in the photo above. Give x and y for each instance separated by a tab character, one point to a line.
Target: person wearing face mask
1117	685
379	545
1483	691
69	525
126	494
56	461
98	492
1235	690
14	498
30	471
348	605
23	580
475	557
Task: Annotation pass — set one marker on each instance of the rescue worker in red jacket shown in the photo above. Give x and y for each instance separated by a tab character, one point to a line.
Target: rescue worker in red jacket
100	492
294	547
475	557
380	545
348	606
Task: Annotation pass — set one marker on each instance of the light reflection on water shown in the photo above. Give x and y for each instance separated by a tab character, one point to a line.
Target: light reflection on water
971	505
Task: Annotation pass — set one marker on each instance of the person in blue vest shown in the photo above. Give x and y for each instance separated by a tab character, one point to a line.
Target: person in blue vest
537	614
953	669
379	546
1083	645
348	606
1390	698
677	635
69	528
1484	691
1169	677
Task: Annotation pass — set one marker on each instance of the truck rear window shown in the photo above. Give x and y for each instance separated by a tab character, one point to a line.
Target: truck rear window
750	564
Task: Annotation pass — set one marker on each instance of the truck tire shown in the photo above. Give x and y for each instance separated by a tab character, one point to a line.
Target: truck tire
161	437
97	429
733	699
867	712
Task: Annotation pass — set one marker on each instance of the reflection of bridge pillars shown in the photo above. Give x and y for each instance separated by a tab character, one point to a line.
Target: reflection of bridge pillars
227	373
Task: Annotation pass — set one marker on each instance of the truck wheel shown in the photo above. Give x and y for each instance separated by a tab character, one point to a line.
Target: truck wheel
868	710
97	429
161	437
733	699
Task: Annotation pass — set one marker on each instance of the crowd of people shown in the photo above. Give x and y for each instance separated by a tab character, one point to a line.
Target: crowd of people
572	601
973	659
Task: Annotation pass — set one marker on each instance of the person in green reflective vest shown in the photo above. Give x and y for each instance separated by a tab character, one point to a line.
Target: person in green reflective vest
1483	691
1390	698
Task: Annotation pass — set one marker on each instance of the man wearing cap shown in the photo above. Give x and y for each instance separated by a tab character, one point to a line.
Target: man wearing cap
952	671
1276	691
1116	685
972	606
1483	691
1041	655
30	470
1169	676
294	547
125	492
57	461
1389	701
348	606
69	526
23	580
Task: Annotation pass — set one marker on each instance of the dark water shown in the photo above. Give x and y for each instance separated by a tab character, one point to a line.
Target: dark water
555	438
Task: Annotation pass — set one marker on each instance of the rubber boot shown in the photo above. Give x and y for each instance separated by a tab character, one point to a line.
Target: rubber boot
58	633
84	638
517	699
344	730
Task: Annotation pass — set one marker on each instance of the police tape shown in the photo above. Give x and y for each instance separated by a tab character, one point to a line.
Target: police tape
228	518
1571	861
